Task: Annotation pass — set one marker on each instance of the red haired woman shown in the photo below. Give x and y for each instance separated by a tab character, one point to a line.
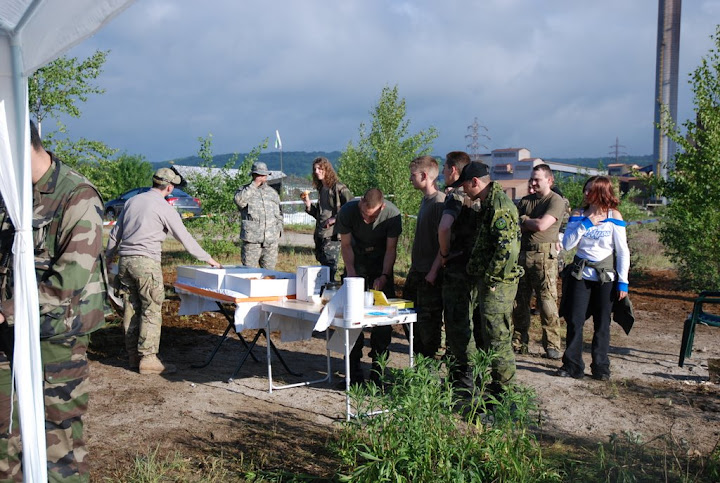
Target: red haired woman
332	194
598	272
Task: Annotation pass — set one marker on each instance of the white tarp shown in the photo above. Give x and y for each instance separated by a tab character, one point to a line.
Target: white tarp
32	33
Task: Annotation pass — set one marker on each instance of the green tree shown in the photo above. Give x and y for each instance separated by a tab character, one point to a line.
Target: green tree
381	157
691	228
114	177
216	187
57	87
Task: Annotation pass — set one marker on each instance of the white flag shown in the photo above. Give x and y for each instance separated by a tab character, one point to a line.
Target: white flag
278	142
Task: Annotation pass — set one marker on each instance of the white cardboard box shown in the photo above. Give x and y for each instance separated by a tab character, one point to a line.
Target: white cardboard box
253	285
310	280
205	276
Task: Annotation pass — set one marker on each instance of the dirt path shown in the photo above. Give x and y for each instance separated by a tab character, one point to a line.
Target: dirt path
197	411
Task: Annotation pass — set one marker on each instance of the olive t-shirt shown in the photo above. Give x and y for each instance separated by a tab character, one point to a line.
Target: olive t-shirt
535	206
425	245
369	239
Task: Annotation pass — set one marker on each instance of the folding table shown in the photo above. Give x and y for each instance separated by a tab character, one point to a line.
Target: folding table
247	315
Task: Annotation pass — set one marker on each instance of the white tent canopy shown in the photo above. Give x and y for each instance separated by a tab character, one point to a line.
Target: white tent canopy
32	33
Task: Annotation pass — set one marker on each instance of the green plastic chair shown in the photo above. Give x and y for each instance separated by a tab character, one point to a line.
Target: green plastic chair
698	316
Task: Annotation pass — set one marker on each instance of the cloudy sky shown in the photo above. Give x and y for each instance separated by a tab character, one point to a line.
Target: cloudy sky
562	78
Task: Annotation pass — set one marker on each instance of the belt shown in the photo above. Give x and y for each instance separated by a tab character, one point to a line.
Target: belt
537	247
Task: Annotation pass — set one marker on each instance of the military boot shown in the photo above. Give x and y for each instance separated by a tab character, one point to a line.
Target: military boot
150	364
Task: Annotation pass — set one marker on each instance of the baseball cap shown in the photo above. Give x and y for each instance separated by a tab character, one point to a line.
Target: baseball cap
260	168
168	175
471	170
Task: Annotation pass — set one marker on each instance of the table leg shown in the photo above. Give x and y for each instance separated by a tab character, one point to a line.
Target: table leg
247	353
231	325
347	373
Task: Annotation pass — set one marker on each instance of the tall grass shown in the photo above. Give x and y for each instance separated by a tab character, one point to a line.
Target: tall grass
424	431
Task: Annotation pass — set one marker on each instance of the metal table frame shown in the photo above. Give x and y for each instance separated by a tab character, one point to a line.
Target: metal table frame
310	312
222	300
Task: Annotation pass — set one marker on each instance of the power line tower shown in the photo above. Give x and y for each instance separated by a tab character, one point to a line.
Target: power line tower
616	151
475	137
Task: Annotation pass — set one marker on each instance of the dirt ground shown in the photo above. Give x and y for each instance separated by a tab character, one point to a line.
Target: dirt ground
198	412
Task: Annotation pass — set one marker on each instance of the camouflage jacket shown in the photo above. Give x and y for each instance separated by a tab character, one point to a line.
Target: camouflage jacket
69	266
329	202
495	254
262	220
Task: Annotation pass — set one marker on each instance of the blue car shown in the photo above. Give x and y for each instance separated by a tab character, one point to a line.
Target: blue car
186	205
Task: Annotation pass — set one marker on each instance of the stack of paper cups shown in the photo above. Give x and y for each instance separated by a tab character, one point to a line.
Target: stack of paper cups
354	307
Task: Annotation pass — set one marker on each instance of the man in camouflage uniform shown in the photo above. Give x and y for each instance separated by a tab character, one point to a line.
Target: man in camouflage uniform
262	220
540	214
494	260
137	237
456	236
72	286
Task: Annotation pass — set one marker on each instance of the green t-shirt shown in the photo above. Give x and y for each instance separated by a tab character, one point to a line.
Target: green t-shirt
369	239
535	206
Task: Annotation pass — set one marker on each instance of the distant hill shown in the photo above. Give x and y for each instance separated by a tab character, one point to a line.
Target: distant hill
299	163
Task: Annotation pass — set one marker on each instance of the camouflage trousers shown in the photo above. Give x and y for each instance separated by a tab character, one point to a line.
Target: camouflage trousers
141	284
458	294
66	388
495	308
429	307
541	277
327	252
263	255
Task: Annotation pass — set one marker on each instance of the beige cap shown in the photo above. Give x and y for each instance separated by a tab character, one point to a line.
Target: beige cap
167	175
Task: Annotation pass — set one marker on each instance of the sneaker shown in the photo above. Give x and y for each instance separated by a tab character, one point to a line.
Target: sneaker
563	373
601	377
553	354
152	365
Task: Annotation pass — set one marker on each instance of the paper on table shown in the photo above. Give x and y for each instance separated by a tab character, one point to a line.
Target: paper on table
331	308
337	340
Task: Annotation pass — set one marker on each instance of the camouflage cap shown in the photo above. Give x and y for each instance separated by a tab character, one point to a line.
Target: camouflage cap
167	175
260	168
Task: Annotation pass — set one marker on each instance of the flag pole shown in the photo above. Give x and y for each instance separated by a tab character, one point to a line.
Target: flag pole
278	145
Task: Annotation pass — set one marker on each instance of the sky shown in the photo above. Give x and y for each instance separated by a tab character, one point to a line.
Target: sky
563	78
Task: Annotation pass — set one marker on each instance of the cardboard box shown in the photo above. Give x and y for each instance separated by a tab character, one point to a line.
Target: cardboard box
310	280
207	277
253	285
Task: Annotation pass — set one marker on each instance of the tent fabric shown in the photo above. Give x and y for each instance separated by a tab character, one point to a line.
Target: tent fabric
32	33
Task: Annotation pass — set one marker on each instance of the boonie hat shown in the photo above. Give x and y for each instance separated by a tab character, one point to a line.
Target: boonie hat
168	175
259	168
472	170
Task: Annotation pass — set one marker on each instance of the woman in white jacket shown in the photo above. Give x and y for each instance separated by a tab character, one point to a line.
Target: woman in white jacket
598	275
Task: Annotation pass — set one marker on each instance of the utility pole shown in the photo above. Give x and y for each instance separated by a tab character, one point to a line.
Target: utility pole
475	135
616	150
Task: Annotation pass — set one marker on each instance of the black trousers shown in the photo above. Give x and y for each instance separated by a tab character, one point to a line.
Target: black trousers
380	337
586	298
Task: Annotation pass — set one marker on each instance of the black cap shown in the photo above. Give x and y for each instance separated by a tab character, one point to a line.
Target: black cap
472	170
